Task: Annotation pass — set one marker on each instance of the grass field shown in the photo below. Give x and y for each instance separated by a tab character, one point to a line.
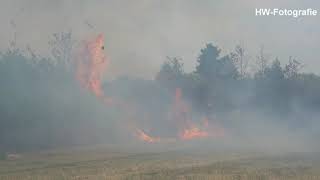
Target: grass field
106	163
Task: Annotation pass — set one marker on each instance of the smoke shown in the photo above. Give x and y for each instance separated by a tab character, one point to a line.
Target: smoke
91	65
243	130
147	31
137	37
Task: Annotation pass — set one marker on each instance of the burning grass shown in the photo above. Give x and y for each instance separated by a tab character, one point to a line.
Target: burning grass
91	66
146	138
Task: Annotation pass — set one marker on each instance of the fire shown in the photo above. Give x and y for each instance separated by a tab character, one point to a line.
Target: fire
188	129
91	65
146	138
182	114
203	132
192	133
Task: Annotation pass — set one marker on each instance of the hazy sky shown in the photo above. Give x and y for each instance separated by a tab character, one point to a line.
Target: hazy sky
141	33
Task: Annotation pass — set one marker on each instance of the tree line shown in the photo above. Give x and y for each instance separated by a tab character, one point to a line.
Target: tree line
224	83
42	106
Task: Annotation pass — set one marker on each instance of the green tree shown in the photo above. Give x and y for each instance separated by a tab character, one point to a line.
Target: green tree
275	72
171	73
208	62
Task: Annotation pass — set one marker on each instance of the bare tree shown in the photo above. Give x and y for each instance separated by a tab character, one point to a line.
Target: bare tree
291	70
241	60
262	61
61	47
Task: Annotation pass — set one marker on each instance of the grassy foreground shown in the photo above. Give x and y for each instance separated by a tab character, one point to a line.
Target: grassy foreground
105	163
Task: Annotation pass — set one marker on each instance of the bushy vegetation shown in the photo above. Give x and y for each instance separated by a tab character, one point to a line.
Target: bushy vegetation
42	105
222	84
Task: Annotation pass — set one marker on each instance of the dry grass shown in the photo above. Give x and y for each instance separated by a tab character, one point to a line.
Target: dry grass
106	164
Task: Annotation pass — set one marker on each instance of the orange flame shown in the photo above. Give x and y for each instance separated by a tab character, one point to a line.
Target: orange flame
146	138
206	131
91	65
192	133
189	130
